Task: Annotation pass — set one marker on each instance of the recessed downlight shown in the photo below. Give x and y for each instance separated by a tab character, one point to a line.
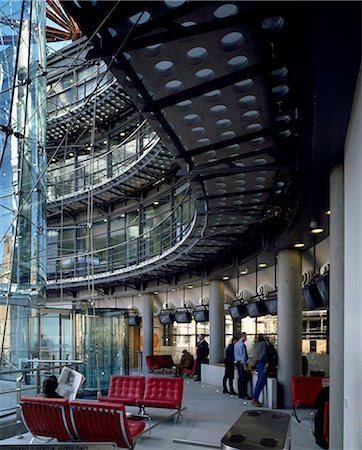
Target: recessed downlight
225	278
262	265
298	245
317	230
243	271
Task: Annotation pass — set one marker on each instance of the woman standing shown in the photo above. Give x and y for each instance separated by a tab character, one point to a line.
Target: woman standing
229	368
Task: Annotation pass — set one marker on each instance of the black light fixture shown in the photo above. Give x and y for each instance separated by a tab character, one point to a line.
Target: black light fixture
166	315
322	282
183	314
311	295
238	309
201	312
256	306
133	318
271	298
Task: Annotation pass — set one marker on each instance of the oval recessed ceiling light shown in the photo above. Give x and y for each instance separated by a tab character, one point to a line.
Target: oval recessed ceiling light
225	278
317	230
262	265
299	245
243	271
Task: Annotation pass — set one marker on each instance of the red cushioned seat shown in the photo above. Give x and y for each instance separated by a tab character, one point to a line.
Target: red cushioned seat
104	422
47	417
305	391
125	389
163	392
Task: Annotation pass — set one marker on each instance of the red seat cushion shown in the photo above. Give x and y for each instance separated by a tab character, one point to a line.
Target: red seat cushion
45	417
163	392
104	422
305	390
125	389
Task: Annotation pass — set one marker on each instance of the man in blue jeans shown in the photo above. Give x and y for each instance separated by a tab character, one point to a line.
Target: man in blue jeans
261	360
242	358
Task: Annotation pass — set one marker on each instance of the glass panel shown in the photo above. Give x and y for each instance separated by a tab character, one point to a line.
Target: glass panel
102	342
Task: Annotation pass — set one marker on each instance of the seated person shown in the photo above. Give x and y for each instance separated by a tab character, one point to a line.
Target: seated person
50	385
186	362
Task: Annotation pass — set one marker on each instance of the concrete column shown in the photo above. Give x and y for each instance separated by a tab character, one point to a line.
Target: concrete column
336	308
147	329
352	429
289	323
216	320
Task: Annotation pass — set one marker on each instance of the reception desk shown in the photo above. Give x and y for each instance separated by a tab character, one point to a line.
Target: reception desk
214	373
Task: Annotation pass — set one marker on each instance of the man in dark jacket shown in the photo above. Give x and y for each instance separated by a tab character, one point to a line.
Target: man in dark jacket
202	352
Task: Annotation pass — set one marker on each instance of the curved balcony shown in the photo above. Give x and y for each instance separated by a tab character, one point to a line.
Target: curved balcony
117	166
144	252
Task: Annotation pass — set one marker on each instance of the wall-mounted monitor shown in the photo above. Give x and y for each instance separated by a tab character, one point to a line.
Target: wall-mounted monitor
312	297
183	315
256	308
322	283
166	317
238	310
201	314
134	320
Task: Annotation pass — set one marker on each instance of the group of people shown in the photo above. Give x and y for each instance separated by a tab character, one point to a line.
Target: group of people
237	352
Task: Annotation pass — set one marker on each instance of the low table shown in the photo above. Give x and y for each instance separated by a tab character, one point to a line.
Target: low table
259	429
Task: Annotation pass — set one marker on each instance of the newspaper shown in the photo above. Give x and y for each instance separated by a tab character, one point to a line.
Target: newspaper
69	382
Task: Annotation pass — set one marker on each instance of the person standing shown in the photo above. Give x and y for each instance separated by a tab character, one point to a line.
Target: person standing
229	368
202	352
242	360
261	363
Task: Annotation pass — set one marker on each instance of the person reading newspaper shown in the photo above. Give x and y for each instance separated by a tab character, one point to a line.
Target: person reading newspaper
69	382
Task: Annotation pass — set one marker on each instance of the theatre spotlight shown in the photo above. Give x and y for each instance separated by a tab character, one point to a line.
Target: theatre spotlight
238	310
271	303
256	307
201	313
312	297
166	317
134	319
322	282
183	315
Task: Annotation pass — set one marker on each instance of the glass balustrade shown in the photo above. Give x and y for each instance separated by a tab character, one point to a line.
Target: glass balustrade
77	174
128	241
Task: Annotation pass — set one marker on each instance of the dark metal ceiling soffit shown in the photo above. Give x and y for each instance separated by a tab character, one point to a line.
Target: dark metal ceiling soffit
214	79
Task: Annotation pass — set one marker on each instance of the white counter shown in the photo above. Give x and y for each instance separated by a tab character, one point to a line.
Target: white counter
214	373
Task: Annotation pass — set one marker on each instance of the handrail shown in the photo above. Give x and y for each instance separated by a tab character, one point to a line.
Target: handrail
68	179
169	226
18	388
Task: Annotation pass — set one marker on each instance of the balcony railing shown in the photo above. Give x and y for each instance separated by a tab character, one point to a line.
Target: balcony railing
73	178
147	247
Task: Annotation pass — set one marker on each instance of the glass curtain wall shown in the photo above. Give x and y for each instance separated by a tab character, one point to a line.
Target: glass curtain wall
123	238
22	168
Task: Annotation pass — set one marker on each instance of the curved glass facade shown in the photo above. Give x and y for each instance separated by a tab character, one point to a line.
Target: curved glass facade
77	171
121	239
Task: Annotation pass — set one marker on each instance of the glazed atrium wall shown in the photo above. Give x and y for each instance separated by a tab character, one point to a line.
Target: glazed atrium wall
23	181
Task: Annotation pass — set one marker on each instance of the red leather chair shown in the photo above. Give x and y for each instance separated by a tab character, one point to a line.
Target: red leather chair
104	422
47	417
163	392
305	391
125	389
190	372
